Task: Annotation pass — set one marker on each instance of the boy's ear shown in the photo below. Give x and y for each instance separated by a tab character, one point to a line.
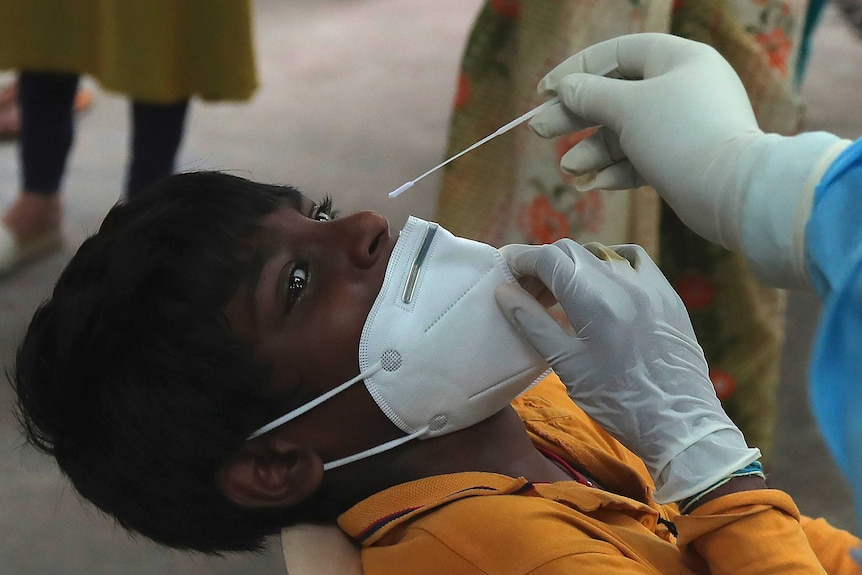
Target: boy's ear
270	472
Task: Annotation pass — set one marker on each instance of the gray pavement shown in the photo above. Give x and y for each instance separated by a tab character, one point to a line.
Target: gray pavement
354	102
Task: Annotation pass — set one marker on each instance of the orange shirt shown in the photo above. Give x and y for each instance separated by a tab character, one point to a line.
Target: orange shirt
485	523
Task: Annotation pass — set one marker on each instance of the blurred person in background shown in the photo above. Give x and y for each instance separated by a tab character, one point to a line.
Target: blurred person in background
159	53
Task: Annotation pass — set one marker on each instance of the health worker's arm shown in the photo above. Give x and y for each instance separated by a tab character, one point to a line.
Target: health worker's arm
833	232
680	120
834	242
633	364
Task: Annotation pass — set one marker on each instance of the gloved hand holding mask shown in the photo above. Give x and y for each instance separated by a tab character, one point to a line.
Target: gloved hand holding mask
633	364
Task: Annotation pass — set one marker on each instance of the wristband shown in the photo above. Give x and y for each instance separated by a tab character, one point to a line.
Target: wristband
754	468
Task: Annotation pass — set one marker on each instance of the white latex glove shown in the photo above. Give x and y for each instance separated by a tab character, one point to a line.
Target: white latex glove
686	127
634	364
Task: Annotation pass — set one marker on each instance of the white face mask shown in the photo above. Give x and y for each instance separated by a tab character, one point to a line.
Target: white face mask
436	353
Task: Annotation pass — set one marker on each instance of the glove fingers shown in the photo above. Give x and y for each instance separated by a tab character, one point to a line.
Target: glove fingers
629	56
595	152
588	255
535	287
579	280
557	121
674	309
604	252
636	256
644	264
543	262
619	176
598	59
517	260
596	100
533	322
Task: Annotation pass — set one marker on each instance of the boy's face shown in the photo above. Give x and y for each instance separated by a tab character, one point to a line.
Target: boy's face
303	316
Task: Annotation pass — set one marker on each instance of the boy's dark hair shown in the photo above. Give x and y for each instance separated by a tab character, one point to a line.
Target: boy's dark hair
129	375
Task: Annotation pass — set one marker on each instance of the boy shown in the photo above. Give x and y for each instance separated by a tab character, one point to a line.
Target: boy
213	305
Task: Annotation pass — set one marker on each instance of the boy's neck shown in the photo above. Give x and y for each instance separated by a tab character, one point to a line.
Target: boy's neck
499	444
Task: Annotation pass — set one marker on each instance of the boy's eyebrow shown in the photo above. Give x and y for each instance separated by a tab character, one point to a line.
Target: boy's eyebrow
259	250
263	249
260	257
259	260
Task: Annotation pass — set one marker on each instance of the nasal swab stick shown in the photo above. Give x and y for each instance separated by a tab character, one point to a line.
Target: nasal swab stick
516	122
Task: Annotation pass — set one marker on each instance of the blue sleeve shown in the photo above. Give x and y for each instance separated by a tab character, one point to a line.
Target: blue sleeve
834	249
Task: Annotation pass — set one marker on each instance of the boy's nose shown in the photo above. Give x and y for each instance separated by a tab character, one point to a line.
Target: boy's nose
369	232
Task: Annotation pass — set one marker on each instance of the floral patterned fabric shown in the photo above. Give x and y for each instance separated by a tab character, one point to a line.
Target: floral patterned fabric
511	190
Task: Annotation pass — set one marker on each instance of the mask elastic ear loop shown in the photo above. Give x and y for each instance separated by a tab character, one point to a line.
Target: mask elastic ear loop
374	450
313	403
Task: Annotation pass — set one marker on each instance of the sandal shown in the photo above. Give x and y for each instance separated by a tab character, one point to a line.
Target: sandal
14	254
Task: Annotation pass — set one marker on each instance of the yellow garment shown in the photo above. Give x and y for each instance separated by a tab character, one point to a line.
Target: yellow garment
157	51
492	524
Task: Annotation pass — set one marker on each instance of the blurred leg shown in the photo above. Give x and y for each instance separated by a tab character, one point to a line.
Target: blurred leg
157	131
47	128
31	225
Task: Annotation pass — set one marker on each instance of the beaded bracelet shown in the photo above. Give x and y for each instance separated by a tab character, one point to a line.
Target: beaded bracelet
754	468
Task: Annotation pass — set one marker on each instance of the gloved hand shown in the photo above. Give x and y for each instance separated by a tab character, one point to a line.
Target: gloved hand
634	364
687	128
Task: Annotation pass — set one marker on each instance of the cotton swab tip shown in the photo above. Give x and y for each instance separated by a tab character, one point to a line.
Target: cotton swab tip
401	189
517	121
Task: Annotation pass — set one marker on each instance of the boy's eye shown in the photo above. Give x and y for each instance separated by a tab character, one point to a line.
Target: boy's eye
296	283
324	212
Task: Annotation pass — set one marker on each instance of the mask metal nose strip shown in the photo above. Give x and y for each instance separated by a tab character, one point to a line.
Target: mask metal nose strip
410	286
